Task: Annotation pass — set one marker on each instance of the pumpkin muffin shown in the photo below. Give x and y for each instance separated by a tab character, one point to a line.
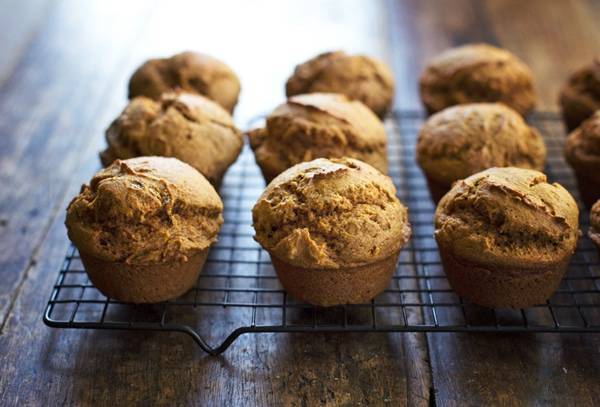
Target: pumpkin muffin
189	127
318	125
594	232
334	229
357	76
188	71
582	151
477	73
580	95
505	237
462	140
143	228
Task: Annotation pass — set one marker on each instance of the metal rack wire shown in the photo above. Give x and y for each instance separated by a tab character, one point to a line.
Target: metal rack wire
238	282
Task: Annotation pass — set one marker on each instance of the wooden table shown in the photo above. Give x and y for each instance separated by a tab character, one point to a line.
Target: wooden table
63	75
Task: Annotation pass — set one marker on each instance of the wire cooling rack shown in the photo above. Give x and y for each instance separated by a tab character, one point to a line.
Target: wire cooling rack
238	291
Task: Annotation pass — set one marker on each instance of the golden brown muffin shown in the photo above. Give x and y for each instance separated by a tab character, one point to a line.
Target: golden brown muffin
188	71
189	127
594	232
334	229
580	96
143	228
318	125
462	140
582	151
477	73
357	76
505	237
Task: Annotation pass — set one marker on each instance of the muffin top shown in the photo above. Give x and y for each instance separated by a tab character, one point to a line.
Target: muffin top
331	213
189	127
477	73
580	95
462	140
582	149
318	125
594	231
510	217
189	71
357	76
145	210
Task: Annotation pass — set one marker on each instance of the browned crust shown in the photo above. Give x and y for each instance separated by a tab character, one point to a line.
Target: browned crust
186	126
357	76
594	232
582	152
328	287
465	139
501	287
580	95
332	214
189	71
477	73
318	125
510	217
144	283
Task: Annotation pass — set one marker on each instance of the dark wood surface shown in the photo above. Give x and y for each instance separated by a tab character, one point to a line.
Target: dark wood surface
553	38
63	76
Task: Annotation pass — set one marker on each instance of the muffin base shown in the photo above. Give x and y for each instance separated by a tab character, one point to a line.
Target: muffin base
574	113
142	284
437	190
589	189
503	287
268	175
328	287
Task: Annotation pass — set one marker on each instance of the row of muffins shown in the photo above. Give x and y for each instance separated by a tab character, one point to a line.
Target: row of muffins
466	74
333	227
194	129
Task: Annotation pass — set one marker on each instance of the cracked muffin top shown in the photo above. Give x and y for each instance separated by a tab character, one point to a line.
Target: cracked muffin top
594	232
509	217
357	76
188	71
145	210
582	149
318	125
477	73
580	95
189	127
462	140
331	213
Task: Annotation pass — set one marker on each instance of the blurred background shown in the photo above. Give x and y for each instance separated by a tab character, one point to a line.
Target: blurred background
91	47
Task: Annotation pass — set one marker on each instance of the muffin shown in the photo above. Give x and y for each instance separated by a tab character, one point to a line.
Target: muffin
505	237
333	228
477	73
318	125
189	127
580	96
357	76
143	228
582	151
462	140
189	71
594	232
